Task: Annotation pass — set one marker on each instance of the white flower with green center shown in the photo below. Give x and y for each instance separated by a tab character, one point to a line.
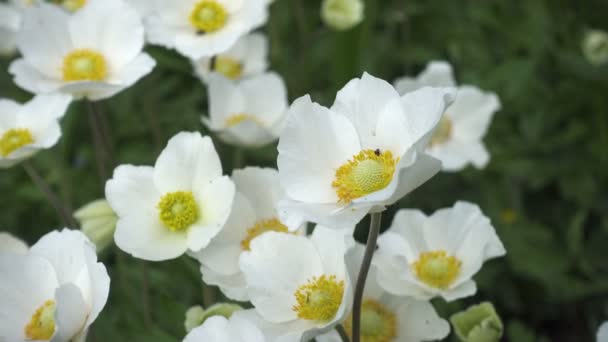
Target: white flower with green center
203	28
178	205
248	113
54	292
237	328
299	286
425	257
457	141
12	244
254	213
361	155
28	128
82	54
247	57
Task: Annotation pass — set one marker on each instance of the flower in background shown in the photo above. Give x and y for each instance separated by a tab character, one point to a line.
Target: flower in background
478	323
424	257
254	213
179	204
602	333
342	14
12	244
10	21
361	155
83	53
54	292
248	57
299	286
595	46
196	315
457	140
28	128
248	113
98	222
203	28
222	329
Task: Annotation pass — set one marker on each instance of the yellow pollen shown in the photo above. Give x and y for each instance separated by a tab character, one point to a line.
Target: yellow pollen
271	225
378	323
319	299
208	16
71	5
42	325
437	269
14	139
443	132
178	210
84	65
236	119
367	172
228	67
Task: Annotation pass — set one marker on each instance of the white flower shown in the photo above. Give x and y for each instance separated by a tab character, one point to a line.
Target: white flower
254	213
98	222
179	204
248	57
28	128
221	329
203	28
342	14
299	286
457	141
83	53
424	257
595	46
10	20
55	292
12	244
248	113
389	318
602	333
363	154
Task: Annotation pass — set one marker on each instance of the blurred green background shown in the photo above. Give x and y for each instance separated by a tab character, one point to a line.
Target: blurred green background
546	188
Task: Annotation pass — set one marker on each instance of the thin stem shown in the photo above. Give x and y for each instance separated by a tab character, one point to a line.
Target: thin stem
145	295
101	156
209	295
372	238
238	158
342	332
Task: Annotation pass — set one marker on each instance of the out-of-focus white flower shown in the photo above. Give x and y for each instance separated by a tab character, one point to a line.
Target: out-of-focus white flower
98	222
28	128
196	315
300	287
221	329
10	21
203	28
179	204
12	244
342	14
83	53
595	46
248	113
55	292
457	140
602	333
424	257
247	57
365	153
254	213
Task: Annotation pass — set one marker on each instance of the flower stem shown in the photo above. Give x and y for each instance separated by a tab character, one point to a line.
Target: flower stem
342	332
372	238
101	151
238	158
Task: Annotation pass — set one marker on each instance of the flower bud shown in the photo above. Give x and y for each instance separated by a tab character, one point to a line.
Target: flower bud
478	323
196	315
342	14
98	222
595	47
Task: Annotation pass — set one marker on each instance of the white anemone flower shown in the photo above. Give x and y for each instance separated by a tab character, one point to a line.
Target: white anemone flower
602	333
299	286
361	155
254	213
55	292
424	257
247	113
457	141
203	28
10	21
28	128
180	204
84	53
12	244
248	57
220	329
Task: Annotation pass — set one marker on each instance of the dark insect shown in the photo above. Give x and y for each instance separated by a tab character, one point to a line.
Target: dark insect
377	152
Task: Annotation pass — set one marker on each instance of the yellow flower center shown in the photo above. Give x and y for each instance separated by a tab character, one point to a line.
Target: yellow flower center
443	132
208	16
272	225
84	65
367	172
14	139
236	119
228	67
71	5
319	299
42	325
437	269
378	323
178	210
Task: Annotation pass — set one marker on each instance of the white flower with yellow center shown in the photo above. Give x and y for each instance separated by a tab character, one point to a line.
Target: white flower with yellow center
83	53
28	128
457	141
299	286
203	28
221	329
424	257
248	113
54	292
254	213
12	244
247	57
365	153
180	204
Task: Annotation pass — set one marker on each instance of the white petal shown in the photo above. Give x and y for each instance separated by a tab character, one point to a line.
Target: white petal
8	114
436	74
29	78
232	286
294	213
132	191
266	97
215	329
466	289
225	100
602	333
414	176
261	186
99	286
332	245
456	155
129	74
71	313
41	114
472	112
418	321
281	332
12	244
257	50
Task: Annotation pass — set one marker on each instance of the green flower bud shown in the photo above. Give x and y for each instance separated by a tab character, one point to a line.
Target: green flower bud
342	14
478	323
98	222
196	315
595	47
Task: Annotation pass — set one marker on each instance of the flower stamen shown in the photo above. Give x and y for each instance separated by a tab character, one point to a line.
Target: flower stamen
378	323
443	132
261	227
84	65
14	139
178	210
42	325
208	16
228	67
236	119
71	5
319	299
437	269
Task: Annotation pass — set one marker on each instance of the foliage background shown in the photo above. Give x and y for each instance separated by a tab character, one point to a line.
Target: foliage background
545	188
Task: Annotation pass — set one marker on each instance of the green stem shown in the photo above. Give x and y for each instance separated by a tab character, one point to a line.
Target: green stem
238	158
101	153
